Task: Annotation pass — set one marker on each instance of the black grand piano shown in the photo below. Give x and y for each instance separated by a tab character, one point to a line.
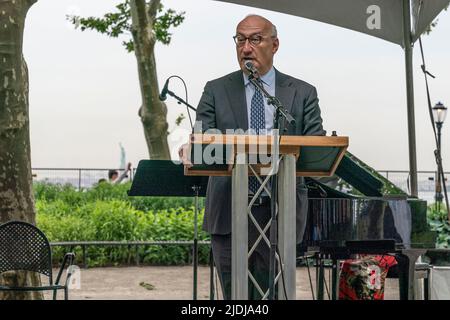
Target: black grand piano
377	217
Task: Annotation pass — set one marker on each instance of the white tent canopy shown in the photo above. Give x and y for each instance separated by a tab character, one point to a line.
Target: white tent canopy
397	21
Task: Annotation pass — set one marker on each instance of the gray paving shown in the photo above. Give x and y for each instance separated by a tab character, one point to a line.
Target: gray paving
167	283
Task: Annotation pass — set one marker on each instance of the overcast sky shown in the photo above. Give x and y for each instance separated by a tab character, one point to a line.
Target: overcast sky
84	91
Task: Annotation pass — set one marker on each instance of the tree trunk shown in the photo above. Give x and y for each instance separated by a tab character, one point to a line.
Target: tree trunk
16	194
152	112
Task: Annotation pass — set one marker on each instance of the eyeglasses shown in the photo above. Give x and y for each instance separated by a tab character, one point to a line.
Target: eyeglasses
254	40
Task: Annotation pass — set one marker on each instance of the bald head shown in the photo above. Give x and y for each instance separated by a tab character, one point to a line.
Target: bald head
251	18
257	41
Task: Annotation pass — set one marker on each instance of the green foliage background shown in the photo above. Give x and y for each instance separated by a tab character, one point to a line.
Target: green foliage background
106	213
438	221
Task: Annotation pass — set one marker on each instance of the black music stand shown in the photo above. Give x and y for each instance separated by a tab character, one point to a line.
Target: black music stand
165	178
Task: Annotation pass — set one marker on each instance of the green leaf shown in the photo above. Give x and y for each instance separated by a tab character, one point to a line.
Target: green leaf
118	23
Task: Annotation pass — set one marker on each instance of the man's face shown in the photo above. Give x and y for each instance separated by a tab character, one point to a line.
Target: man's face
260	54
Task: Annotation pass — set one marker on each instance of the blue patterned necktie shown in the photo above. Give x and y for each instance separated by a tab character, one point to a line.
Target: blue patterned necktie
257	122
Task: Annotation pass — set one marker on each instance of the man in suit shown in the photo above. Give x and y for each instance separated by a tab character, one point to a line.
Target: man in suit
232	102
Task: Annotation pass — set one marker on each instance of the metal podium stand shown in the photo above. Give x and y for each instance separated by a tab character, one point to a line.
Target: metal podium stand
298	156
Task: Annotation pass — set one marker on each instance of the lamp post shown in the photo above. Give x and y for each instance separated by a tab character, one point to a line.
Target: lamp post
439	114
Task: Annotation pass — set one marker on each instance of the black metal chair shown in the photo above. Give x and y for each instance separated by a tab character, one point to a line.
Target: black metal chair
24	247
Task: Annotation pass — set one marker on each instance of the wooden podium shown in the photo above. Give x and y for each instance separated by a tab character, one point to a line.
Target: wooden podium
234	155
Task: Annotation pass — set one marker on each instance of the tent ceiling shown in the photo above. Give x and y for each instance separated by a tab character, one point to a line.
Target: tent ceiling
358	15
424	12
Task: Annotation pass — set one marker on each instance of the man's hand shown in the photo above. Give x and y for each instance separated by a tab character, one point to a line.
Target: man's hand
184	154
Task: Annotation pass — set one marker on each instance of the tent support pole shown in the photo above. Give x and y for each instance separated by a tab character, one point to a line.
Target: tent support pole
410	97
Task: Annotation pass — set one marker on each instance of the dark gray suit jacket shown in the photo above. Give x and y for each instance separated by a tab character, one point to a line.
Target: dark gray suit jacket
223	106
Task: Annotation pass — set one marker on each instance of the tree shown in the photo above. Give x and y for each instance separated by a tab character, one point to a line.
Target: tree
16	195
139	18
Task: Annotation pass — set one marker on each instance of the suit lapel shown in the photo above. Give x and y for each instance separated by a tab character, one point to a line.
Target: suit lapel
235	89
284	91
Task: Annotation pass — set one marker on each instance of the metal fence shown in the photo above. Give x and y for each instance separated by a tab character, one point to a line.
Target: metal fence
426	182
71	245
82	178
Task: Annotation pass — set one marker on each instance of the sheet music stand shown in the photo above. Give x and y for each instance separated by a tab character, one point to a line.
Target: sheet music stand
165	178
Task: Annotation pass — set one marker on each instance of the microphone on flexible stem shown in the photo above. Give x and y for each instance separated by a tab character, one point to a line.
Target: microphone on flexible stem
248	64
251	68
163	95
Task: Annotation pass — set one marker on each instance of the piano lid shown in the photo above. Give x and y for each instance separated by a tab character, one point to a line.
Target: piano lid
365	179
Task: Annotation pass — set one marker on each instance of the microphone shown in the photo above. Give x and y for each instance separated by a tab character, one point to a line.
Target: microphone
163	95
250	67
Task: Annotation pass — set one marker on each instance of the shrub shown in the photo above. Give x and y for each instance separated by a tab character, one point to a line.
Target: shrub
106	191
438	221
52	192
118	220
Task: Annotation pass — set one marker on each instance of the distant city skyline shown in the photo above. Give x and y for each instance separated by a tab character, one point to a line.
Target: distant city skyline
84	90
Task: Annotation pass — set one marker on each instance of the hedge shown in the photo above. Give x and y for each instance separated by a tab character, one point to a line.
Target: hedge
106	213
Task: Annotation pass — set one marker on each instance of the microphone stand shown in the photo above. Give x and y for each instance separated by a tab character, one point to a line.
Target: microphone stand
274	101
180	101
196	192
278	124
